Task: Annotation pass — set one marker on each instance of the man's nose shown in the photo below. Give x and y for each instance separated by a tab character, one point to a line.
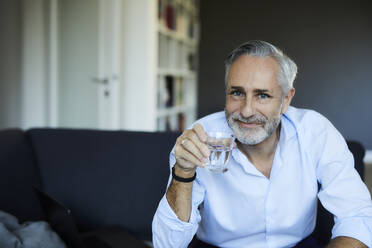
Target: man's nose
247	108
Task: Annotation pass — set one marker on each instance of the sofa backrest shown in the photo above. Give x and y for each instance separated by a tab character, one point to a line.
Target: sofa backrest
106	178
116	178
18	173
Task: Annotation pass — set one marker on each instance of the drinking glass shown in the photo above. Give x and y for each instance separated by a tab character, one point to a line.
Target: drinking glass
220	145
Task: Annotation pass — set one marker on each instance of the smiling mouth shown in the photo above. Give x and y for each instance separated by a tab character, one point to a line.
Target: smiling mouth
249	125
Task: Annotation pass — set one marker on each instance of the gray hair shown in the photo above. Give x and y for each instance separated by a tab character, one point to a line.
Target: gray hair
288	68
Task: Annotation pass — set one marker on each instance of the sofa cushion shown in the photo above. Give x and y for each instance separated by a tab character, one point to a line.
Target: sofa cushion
115	237
107	178
18	173
358	151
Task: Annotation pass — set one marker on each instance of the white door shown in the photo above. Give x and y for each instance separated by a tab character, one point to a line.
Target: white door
88	64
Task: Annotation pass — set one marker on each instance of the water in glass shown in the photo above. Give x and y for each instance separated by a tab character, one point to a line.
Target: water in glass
220	147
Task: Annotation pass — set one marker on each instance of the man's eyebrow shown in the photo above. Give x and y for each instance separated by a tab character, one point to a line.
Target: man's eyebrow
257	91
237	88
261	90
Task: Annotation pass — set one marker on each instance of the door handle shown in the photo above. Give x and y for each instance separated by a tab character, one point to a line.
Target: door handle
103	81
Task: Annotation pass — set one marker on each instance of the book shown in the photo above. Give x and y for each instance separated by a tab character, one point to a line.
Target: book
169	84
181	121
170	17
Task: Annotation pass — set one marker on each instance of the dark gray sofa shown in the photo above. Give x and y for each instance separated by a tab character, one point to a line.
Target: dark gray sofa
107	178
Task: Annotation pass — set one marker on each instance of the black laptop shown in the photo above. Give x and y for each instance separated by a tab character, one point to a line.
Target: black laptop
62	222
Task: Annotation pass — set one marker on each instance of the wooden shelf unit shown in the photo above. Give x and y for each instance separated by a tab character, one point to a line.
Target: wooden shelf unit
178	39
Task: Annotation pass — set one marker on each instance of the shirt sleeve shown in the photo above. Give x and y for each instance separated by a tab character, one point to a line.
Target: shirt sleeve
167	229
342	192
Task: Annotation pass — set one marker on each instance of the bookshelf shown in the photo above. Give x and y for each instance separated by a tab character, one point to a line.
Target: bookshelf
177	53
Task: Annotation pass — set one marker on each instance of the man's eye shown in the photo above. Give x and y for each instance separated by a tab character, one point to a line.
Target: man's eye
263	96
236	93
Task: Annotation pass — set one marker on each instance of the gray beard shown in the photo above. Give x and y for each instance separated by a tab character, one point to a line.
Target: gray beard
253	136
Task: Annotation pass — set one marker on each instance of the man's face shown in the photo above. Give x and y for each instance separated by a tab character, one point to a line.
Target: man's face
254	102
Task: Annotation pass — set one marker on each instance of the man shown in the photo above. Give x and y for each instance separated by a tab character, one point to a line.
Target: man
268	196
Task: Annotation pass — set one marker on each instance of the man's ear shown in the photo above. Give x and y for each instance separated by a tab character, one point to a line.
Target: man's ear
287	99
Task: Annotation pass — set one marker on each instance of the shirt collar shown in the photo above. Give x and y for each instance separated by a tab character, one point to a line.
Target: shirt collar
288	129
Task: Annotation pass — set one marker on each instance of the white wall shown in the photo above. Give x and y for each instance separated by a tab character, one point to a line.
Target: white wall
10	70
25	91
138	93
34	65
78	63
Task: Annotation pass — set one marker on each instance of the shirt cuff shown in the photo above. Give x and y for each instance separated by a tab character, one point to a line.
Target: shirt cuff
169	230
170	217
357	228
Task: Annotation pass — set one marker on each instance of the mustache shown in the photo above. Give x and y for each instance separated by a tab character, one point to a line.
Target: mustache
249	120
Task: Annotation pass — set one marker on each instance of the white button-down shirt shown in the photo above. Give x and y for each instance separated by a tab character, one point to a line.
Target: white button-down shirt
243	208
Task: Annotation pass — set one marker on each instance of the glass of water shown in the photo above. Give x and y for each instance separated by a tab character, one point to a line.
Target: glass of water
220	144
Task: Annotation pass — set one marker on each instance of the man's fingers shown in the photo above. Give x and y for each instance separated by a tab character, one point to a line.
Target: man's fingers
191	147
201	146
199	130
189	157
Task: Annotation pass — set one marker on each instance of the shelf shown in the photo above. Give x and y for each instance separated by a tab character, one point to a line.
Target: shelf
177	36
174	110
188	5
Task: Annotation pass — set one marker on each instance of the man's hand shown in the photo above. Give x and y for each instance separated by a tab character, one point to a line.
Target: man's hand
345	242
190	151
